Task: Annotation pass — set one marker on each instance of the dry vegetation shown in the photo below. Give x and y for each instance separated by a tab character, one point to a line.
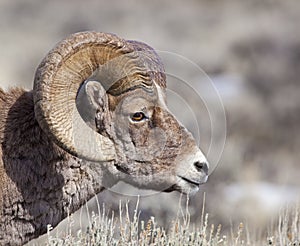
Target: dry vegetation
126	228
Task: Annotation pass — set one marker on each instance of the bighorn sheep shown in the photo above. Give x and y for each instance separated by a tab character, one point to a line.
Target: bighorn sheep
54	157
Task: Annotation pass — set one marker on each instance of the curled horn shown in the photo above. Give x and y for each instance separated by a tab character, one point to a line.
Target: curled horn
119	68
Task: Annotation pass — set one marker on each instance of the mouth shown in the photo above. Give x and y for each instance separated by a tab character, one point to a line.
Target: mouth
192	182
122	169
187	186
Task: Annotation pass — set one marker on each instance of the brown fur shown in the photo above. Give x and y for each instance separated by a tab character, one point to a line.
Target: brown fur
41	183
37	178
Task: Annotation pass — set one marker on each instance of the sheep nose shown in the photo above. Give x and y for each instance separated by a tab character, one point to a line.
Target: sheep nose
201	166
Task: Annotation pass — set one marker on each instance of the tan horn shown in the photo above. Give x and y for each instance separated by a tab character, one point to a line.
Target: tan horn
60	75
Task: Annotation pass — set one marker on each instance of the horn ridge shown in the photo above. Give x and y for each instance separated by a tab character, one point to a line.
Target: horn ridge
56	83
122	66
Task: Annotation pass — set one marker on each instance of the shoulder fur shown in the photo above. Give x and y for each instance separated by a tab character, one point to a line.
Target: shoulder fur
7	99
21	139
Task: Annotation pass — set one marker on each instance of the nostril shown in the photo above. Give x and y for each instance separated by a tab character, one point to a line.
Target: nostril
201	166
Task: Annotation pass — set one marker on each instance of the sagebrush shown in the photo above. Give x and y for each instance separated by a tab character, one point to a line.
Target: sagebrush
107	228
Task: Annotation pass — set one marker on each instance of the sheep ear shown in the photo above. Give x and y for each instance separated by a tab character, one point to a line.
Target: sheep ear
91	102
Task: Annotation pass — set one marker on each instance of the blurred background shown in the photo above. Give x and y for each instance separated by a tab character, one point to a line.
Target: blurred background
251	52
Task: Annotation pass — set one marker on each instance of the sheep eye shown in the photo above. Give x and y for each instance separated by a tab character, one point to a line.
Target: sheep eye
138	116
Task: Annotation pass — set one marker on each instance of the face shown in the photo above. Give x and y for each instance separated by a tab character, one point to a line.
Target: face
154	151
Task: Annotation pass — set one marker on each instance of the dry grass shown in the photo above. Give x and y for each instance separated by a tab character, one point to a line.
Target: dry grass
126	228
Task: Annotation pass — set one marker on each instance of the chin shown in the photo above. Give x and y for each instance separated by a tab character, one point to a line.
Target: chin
189	190
185	189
